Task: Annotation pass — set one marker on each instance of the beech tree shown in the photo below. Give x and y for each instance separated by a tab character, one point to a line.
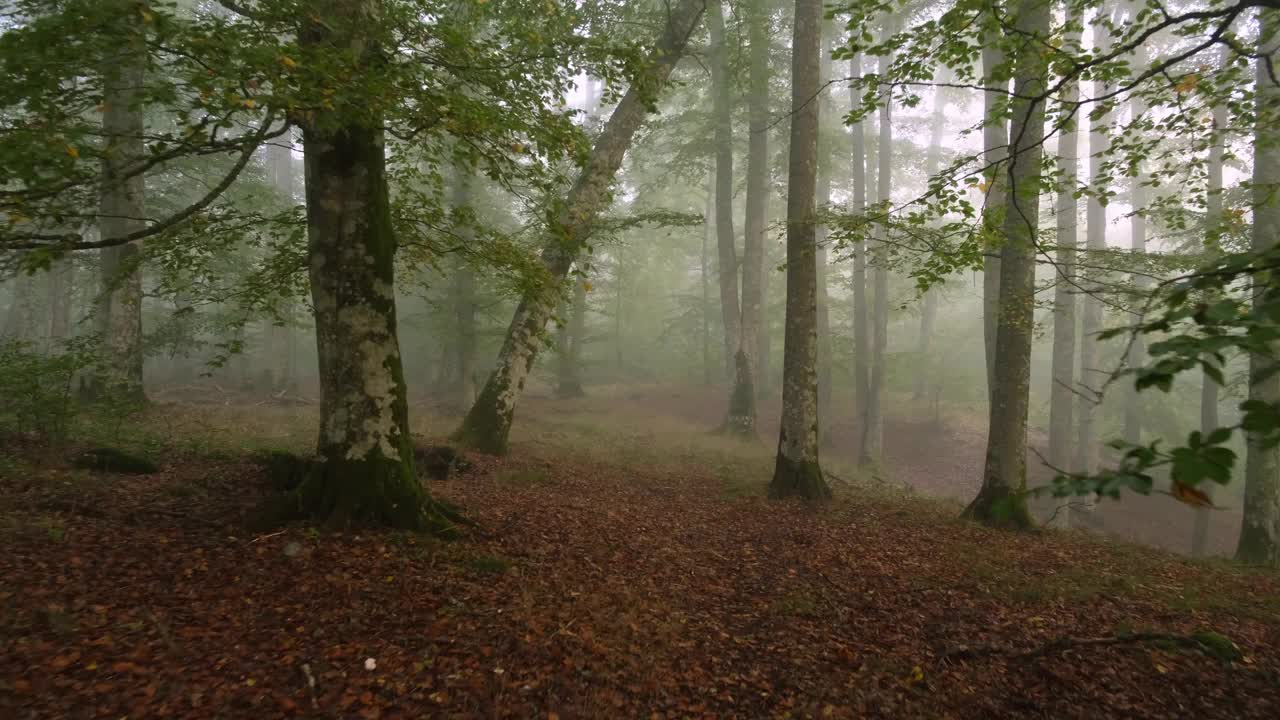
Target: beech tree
1001	500
487	425
797	471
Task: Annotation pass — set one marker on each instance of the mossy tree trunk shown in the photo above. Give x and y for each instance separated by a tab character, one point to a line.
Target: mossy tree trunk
364	472
1260	531
826	119
122	211
1066	209
487	425
797	472
1002	501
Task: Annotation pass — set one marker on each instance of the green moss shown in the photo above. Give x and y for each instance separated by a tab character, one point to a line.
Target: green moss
798	479
1218	646
486	429
488	564
998	506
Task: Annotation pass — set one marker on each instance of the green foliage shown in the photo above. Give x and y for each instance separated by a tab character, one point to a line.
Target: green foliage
37	387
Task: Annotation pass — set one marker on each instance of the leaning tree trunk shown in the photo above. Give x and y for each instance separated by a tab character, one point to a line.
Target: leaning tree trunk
796	471
488	424
123	208
1002	502
1260	530
872	425
929	306
722	119
364	470
1209	390
858	206
995	141
1062	373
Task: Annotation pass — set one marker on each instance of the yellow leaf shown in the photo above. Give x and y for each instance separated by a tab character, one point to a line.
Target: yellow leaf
982	187
1187	83
586	286
249	103
72	151
288	62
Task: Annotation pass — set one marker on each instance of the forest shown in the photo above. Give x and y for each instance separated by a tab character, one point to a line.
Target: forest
639	359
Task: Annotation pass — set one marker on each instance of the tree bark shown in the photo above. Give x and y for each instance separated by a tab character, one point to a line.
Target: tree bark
281	333
756	205
858	205
995	140
569	377
826	113
708	227
364	470
1066	210
1260	530
1001	502
488	424
721	113
797	472
872	440
123	209
462	388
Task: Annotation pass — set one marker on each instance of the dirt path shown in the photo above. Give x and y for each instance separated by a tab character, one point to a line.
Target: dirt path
594	589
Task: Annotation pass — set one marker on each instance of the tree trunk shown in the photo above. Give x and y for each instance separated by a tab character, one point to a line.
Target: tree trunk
462	387
1138	244
1062	373
1001	502
1260	531
488	424
1091	372
929	306
858	205
872	440
826	113
756	209
19	319
796	471
1209	389
995	139
708	219
123	208
364	470
281	332
730	311
60	286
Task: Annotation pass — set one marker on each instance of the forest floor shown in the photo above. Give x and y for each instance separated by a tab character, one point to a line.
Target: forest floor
624	564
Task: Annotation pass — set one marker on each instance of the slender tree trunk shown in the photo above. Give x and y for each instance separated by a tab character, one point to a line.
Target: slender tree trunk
796	472
123	208
929	306
858	205
826	116
462	388
742	408
60	283
488	424
364	470
1001	501
708	220
995	140
1138	243
281	333
19	321
727	254
1091	371
873	421
1066	211
1209	389
1260	531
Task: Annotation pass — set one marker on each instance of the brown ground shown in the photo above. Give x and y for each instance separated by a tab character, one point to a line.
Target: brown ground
622	567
